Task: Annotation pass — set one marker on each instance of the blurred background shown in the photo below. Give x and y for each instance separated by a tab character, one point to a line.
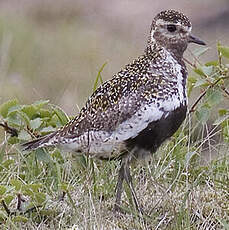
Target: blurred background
53	49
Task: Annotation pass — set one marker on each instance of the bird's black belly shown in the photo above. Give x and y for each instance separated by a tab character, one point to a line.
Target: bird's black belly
158	131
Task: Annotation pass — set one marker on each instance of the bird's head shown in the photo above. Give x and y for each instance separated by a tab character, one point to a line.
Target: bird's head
172	30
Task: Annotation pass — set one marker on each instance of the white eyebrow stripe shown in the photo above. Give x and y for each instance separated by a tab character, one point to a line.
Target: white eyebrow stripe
161	22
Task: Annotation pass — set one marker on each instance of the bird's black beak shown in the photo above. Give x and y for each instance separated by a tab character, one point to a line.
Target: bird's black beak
195	40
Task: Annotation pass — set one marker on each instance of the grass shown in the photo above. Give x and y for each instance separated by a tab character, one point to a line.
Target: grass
182	186
49	189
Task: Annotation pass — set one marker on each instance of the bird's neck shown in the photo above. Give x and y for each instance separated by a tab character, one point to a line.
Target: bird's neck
153	48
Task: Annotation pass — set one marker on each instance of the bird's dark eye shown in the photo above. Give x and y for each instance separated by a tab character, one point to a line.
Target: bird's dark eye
171	28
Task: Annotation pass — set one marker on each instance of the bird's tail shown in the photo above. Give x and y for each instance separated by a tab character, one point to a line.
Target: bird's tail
44	141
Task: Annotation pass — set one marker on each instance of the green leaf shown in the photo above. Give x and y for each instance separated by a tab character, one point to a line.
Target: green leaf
48	129
42	155
20	219
212	63
200	82
4	108
44	113
30	189
99	77
223	112
2	190
215	97
8	198
23	135
199	71
13	140
17	184
66	187
24	117
35	123
14	109
40	197
29	110
192	79
39	104
207	70
6	164
224	50
203	114
200	51
63	117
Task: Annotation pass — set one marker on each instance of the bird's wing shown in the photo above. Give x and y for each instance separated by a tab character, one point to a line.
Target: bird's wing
115	107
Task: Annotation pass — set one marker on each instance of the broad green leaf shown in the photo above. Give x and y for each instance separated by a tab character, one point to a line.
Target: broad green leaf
35	187
55	121
13	140
20	219
63	117
221	119
24	117
200	82
6	164
224	50
23	135
14	120
66	187
192	79
14	109
30	110
17	184
48	129
42	155
8	199
203	114
207	70
4	108
39	104
44	113
30	189
200	51
199	71
2	190
35	123
212	63
40	197
215	96
223	112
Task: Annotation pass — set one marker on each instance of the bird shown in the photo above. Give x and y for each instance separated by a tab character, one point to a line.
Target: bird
130	115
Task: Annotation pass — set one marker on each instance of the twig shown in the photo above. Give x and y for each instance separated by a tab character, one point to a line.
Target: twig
190	63
32	209
32	133
12	131
203	94
195	58
225	90
6	208
19	201
62	196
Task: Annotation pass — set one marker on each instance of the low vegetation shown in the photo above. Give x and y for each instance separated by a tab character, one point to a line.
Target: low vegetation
185	185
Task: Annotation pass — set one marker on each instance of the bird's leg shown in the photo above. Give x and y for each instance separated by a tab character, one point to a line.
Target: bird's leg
124	173
128	180
119	187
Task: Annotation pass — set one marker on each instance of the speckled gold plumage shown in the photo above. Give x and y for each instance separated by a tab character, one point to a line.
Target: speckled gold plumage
143	104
